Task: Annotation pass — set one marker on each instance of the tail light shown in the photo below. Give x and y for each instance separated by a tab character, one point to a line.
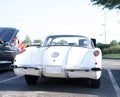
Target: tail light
14	60
96	53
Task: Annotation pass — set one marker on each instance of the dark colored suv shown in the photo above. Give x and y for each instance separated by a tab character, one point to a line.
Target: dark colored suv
7	54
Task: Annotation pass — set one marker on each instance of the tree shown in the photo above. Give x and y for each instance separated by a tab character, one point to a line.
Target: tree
27	40
114	43
64	42
110	4
37	41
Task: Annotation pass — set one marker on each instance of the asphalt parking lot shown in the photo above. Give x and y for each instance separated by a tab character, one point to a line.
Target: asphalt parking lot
15	86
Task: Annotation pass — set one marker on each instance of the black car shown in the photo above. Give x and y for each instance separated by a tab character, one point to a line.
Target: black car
7	54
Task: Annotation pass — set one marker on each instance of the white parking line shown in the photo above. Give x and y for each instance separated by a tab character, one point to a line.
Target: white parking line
9	79
115	85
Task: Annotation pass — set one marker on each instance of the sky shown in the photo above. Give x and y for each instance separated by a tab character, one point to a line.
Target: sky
40	18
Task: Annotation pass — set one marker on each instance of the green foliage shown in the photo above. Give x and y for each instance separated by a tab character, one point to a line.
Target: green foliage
114	43
112	50
112	56
64	42
102	46
27	41
37	41
110	4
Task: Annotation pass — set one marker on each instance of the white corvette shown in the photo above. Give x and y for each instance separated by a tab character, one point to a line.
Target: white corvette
61	56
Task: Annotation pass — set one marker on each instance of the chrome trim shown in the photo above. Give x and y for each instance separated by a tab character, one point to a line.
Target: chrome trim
87	70
72	70
25	67
2	62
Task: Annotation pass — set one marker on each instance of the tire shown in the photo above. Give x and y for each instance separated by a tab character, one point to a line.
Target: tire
95	83
31	79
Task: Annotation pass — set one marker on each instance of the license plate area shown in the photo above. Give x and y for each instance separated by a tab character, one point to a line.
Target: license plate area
53	70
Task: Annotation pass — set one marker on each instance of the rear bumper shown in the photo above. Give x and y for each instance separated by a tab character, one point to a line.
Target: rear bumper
7	55
26	70
57	72
4	64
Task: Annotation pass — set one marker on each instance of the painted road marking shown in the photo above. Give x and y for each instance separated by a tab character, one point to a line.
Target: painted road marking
12	78
115	85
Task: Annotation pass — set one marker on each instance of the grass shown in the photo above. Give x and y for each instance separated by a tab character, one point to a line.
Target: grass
112	56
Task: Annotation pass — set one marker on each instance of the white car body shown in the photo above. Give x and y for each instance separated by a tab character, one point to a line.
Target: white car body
59	58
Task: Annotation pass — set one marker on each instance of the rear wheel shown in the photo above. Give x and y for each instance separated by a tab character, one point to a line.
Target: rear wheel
95	83
31	79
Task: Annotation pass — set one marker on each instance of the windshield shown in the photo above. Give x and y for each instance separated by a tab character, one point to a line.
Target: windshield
78	41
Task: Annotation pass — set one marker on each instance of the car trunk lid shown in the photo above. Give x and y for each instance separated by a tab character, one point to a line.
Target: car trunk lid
64	56
7	34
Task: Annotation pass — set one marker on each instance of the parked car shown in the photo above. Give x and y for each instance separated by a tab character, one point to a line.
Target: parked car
7	52
61	56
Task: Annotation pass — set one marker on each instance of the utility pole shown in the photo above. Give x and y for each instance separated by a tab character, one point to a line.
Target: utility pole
105	26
